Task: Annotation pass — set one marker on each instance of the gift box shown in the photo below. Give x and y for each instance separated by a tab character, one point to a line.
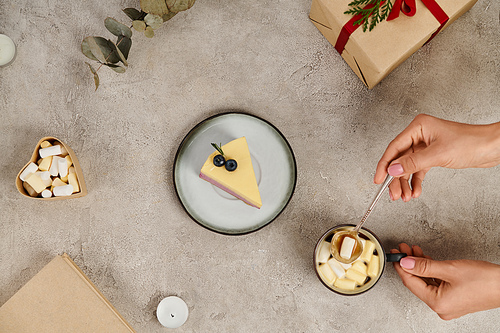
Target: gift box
61	298
372	55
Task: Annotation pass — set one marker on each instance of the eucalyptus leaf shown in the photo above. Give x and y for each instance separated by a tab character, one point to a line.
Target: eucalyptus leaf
134	14
106	50
87	51
154	21
156	7
168	16
117	51
139	25
124	44
111	55
179	5
116	68
149	33
96	77
95	48
117	28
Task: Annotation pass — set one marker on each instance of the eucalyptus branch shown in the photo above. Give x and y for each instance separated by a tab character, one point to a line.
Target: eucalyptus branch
152	15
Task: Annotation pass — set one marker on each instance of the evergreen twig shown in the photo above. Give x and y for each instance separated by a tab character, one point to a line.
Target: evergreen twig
370	16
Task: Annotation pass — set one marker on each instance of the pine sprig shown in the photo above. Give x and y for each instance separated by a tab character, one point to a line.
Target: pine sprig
370	16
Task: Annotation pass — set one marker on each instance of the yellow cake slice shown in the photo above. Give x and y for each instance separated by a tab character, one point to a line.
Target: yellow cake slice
241	182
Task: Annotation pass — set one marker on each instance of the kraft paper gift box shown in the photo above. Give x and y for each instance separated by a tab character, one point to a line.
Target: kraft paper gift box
372	55
61	298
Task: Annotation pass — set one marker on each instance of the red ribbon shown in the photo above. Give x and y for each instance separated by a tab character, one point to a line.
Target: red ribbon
348	29
408	8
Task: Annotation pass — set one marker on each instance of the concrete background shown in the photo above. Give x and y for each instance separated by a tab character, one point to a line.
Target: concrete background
130	234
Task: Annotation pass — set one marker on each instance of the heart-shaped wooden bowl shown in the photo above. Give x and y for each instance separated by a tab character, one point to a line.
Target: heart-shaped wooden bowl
35	157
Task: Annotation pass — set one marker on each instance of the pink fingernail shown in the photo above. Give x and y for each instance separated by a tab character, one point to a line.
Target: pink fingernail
395	170
408	263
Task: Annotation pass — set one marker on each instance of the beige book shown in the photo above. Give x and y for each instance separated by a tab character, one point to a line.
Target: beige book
60	298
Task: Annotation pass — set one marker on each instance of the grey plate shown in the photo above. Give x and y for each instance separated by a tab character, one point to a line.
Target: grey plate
274	165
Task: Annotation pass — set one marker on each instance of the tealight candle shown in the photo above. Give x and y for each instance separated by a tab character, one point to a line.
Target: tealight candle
7	50
172	312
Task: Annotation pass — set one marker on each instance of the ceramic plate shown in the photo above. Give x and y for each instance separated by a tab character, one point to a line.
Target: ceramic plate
273	162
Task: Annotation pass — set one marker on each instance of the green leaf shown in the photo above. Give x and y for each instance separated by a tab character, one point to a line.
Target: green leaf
124	44
369	16
95	48
102	50
154	21
156	7
139	25
96	77
117	51
218	148
117	28
179	5
149	32
116	68
168	16
134	14
87	51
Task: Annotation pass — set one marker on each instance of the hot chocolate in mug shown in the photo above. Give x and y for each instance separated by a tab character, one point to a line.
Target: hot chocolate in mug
359	276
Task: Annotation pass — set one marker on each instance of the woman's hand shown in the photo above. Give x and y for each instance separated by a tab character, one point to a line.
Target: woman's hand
429	142
451	288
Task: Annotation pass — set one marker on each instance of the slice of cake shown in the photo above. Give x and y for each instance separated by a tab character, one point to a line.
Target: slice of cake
230	168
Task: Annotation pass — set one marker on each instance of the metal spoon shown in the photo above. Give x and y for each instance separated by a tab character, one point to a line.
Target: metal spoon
339	237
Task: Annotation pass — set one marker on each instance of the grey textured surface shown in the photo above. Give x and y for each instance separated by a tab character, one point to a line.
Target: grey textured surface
130	234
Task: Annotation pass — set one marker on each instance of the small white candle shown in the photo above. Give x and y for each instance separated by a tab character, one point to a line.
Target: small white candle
172	312
7	50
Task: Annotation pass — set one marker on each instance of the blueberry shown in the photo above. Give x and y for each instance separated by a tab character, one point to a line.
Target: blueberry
231	165
219	160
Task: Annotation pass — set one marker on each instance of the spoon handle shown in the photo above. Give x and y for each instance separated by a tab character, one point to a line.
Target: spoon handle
386	183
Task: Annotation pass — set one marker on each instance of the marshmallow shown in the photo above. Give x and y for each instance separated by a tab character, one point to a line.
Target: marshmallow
45	144
73	181
68	159
57	182
345	266
45	163
36	182
50	151
367	251
354	275
62	191
345	284
46	193
348	244
29	189
64	152
327	273
324	252
374	266
54	169
336	268
31	168
360	267
62	167
45	177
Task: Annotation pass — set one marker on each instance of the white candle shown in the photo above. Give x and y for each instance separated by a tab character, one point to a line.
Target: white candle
172	312
7	50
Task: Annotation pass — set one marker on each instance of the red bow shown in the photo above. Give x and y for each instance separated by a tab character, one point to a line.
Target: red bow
408	8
